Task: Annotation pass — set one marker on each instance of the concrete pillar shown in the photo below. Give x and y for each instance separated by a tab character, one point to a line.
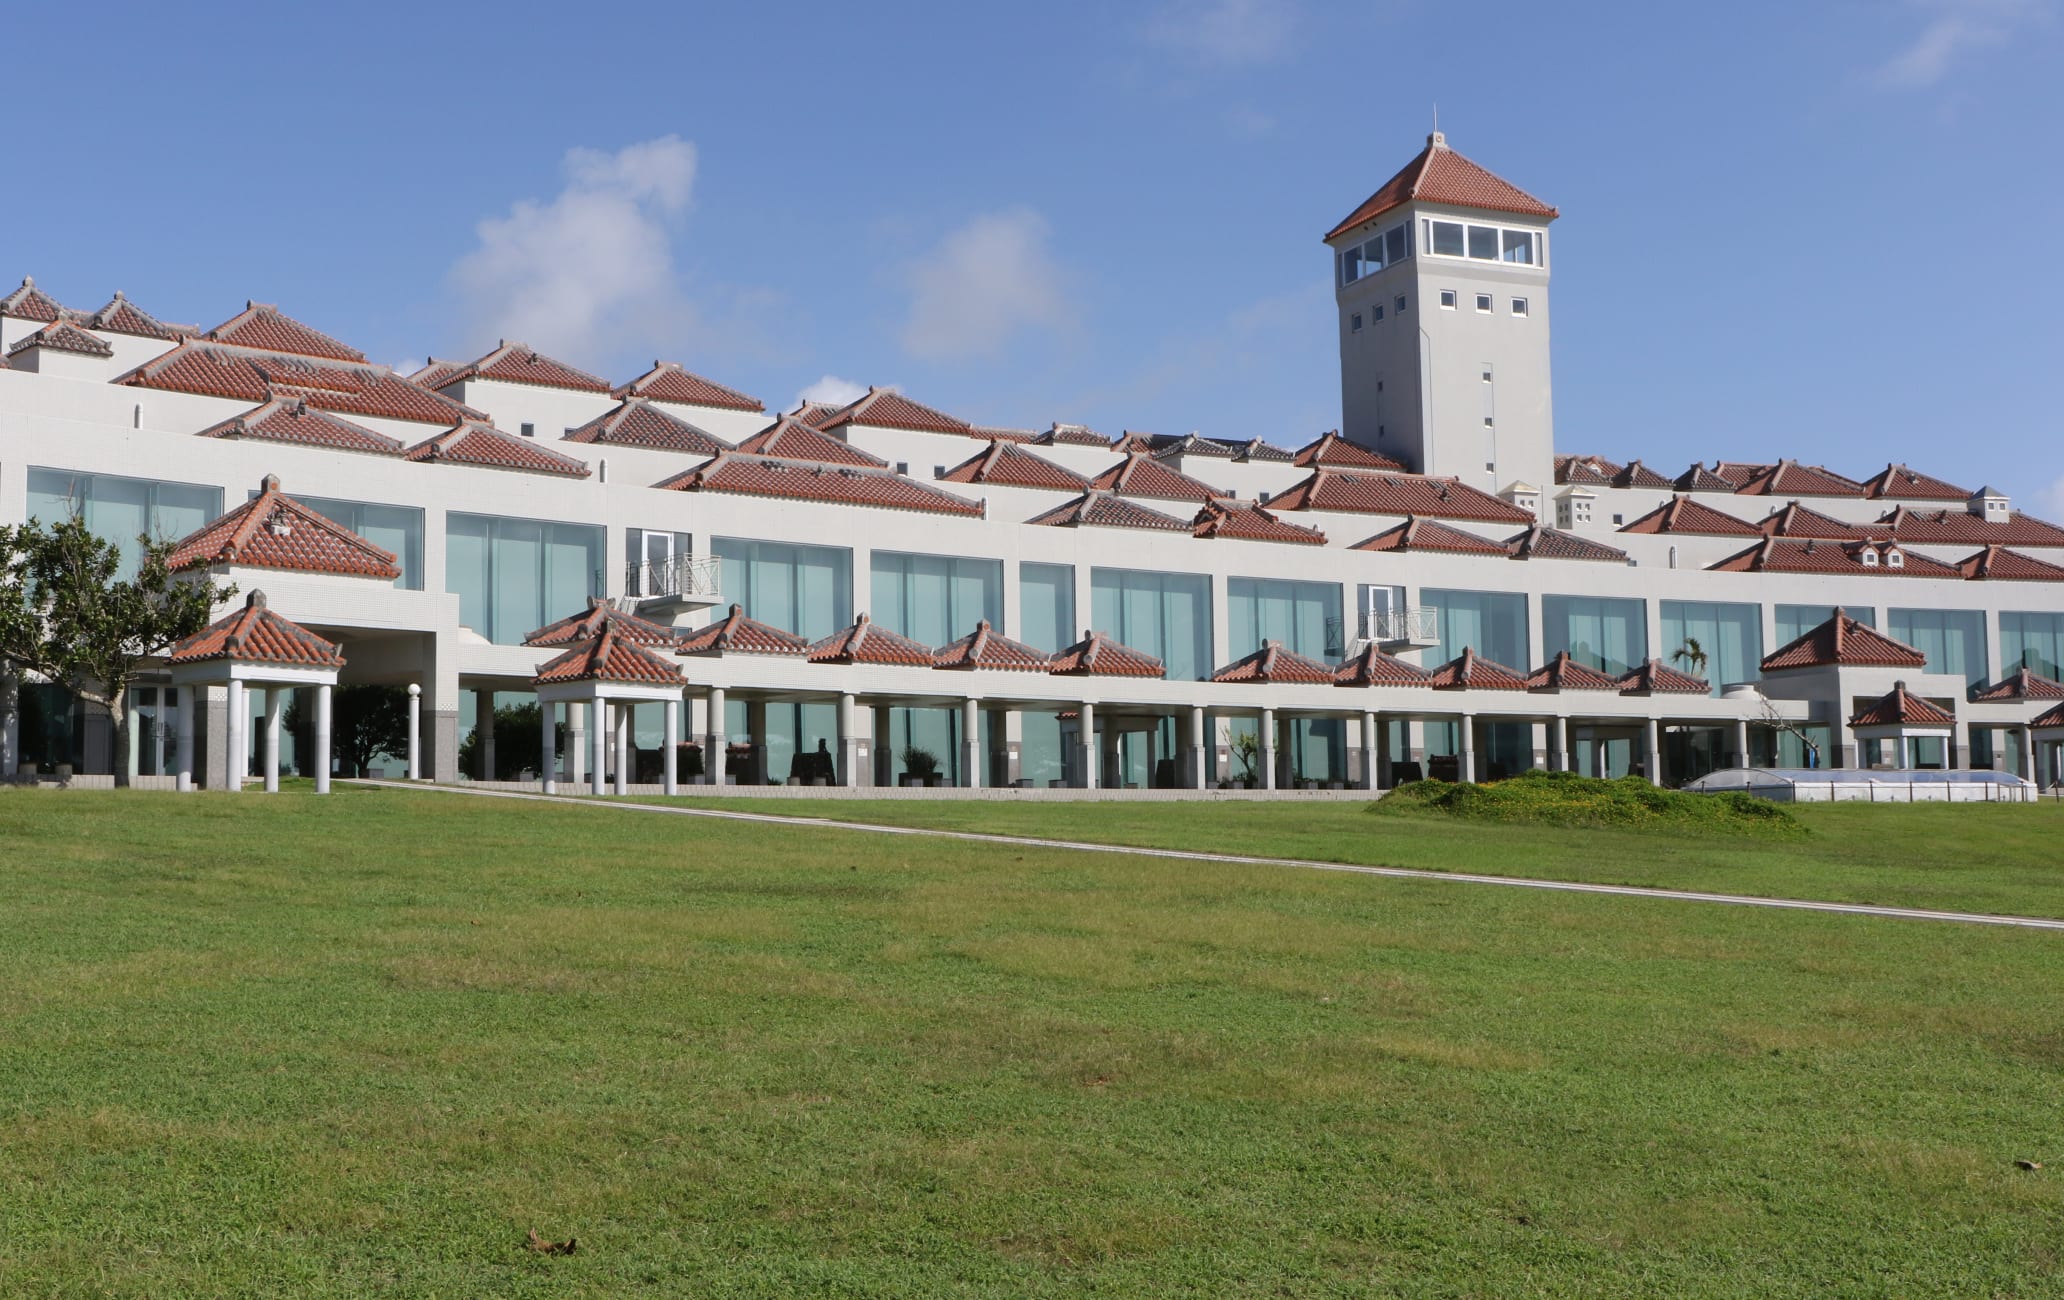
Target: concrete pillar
275	704
1386	770
576	744
1558	744
671	745
548	757
1741	742
713	746
1369	748
848	742
756	739
623	748
1465	756
322	738
971	743
1200	731
2025	764
183	749
1086	721
234	761
483	712
1267	757
884	746
1652	750
598	780
415	732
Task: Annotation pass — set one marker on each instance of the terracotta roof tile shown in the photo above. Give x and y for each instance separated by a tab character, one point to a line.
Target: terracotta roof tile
601	616
1657	678
1586	471
1372	667
844	485
814	413
1901	709
1700	479
1071	435
487	447
1996	563
1256	449
1009	465
1897	481
1844	641
636	422
1470	671
737	634
790	439
1273	663
1396	494
1795	520
1249	522
256	635
997	433
213	370
1416	534
520	363
1544	543
1880	559
121	316
1140	475
1183	444
883	409
1103	510
1097	655
986	648
63	336
2050	718
1738	472
1634	474
436	373
2021	684
1961	526
1684	515
295	422
31	303
1332	449
667	382
610	657
1440	175
866	642
266	328
1563	673
274	531
1790	478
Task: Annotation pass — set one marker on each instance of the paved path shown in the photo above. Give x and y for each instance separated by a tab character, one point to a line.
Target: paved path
1401	873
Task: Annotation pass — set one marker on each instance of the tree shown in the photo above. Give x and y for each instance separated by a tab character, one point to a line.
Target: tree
518	730
1692	655
365	722
65	614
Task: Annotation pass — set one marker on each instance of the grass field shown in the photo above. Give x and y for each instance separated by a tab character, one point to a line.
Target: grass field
360	1045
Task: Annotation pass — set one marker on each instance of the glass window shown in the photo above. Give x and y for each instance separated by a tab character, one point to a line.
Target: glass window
1304	616
1494	622
1372	256
1447	238
1351	265
391	528
1518	246
1046	606
123	510
1519	306
513	576
1606	634
807	590
1953	639
2032	641
1397	244
1483	243
1483	302
936	598
1355	323
1795	621
1448	298
1398	305
1730	637
1379	311
1167	615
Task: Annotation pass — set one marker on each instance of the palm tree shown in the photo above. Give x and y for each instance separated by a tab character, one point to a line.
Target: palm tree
1692	655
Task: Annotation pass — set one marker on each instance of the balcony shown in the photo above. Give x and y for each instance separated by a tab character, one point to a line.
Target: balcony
663	589
1394	630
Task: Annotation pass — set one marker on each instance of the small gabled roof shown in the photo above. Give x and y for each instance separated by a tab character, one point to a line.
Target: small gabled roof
813	413
1657	678
435	373
1247	521
986	648
1470	671
1183	444
610	657
1684	515
1103	510
1416	534
1634	474
601	616
295	422
262	326
1790	478
790	439
1795	520
1140	475
1097	655
2021	684
1897	481
1784	555
1997	563
1844	641
1274	663
63	336
1563	673
636	422
883	409
1901	709
839	485
1071	435
520	363
1700	479
31	303
1544	543
1368	493
1440	175
241	374
1910	525
1259	449
256	635
1738	472
486	447
866	642
1006	464
1585	471
2050	718
274	531
1330	448
737	634
999	433
668	382
1371	667
121	316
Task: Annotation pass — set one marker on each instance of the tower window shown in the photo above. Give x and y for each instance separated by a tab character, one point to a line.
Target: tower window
1446	238
1519	306
529	430
1448	299
1487	374
1397	243
1379	385
1398	304
1483	243
1483	302
1355	323
1519	247
1379	311
1490	421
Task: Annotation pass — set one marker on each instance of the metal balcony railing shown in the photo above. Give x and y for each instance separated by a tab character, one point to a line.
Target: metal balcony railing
1402	626
680	575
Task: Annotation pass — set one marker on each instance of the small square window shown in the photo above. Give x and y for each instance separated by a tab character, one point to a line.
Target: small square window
1355	323
938	471
529	430
1398	304
1487	374
1379	311
1489	421
1490	466
1448	299
1483	302
1619	519
902	467
1519	306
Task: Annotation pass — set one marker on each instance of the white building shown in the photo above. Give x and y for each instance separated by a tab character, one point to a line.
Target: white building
1433	589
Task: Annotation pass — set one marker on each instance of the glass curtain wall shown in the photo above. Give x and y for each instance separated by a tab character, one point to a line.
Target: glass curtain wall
122	510
391	528
1495	624
1306	618
1167	615
1731	637
1046	621
1953	639
1795	621
807	590
2032	641
1608	635
513	576
934	599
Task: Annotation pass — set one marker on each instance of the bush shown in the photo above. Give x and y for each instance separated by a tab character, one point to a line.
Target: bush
1566	799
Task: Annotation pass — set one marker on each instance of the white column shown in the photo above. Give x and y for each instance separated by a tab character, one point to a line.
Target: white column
1652	750
1465	757
848	742
235	762
1267	757
415	732
322	738
2027	763
576	744
713	747
623	747
548	757
672	743
599	733
1086	721
971	743
1200	735
1741	742
275	706
483	708
182	762
1369	739
1558	745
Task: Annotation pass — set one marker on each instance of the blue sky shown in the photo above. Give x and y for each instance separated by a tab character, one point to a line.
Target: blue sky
1810	229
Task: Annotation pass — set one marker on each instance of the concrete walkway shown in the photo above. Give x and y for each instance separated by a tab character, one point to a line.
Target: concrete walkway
1400	873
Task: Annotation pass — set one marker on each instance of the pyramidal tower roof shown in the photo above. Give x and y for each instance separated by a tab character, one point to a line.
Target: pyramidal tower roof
1440	175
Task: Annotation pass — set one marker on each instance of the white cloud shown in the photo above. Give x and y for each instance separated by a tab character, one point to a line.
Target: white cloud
1955	28
1225	33
594	265
833	391
981	285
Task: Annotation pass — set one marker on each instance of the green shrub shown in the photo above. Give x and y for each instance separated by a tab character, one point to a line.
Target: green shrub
1566	799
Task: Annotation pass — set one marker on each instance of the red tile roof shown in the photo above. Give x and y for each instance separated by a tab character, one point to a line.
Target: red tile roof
1996	563
601	616
274	531
667	382
883	409
1071	435
1899	481
121	316
844	485
293	421
1783	555
256	635
1097	655
2051	718
520	363
1959	526
30	303
1544	543
1900	709
1684	515
737	634
2021	684
1372	667
1140	475
1332	449
1440	175
1187	444
1634	474
814	413
63	336
1103	510
263	327
1396	494
866	642
1009	465
1273	663
1562	673
1417	534
998	433
610	657
487	447
1657	678
636	422
1700	479
214	370
1586	471
1844	641
1795	520
1249	522
790	439
1790	478
1738	472
986	648
436	373
1470	671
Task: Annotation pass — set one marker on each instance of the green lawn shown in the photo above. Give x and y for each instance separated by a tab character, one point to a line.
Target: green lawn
1966	857
359	1045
